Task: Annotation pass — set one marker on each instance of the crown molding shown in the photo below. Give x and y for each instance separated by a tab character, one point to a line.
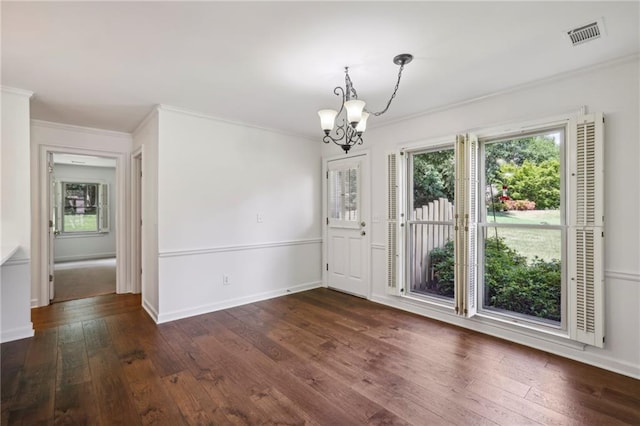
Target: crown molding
153	113
15	91
169	108
634	57
80	129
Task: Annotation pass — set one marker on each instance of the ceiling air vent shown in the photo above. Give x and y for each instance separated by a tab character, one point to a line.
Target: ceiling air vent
585	33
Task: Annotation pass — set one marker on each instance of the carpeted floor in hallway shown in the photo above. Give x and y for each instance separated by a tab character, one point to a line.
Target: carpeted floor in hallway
78	280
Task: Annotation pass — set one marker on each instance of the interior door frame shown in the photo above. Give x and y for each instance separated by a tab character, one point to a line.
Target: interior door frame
136	220
366	187
41	254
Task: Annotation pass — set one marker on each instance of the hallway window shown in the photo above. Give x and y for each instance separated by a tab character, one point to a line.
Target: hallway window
83	207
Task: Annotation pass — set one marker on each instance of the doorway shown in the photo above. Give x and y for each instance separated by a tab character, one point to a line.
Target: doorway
82	206
347	223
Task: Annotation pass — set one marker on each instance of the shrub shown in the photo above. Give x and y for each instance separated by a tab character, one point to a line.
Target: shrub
537	182
519	205
443	265
510	282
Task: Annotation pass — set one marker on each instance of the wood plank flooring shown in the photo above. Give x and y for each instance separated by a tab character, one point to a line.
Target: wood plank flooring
318	357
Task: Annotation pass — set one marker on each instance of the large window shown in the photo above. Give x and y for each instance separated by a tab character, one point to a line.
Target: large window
508	226
522	256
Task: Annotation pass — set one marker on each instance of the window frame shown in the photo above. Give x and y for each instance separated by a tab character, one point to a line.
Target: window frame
484	226
100	209
514	128
408	207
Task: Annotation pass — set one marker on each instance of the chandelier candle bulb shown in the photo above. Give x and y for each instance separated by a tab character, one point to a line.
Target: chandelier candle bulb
348	132
327	119
354	109
362	124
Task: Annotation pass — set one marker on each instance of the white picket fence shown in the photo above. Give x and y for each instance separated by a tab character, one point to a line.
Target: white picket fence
426	237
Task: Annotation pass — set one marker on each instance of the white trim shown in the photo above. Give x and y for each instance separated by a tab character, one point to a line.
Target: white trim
148	307
168	108
240	247
621	275
204	309
145	120
537	340
16	262
17	333
513	89
34	303
81	129
16	91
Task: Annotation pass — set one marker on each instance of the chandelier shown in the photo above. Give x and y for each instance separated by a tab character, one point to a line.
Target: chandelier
349	131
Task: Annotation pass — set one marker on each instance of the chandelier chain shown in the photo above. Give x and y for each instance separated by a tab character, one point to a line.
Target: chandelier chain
395	90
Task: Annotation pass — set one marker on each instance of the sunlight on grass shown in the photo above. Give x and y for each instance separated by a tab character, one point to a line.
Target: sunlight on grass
80	223
534	217
544	243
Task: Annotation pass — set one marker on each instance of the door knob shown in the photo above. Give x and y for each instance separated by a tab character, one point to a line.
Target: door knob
363	233
363	224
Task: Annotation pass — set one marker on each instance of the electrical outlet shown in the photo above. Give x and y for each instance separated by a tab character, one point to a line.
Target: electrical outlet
259	218
226	280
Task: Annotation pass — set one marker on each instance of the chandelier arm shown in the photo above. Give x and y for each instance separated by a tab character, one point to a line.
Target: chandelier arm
393	95
340	134
336	92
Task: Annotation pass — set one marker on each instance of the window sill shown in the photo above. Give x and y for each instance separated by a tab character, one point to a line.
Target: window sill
81	235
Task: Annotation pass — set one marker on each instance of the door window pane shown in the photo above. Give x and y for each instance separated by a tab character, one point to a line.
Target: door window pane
343	194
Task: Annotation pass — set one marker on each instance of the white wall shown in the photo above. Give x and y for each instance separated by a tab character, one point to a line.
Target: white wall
612	89
15	227
61	138
146	138
92	246
214	179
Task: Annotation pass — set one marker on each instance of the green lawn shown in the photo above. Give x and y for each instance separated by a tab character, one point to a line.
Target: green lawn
544	243
80	223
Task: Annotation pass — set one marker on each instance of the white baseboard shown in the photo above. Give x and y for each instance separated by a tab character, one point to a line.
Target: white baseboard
230	303
150	310
17	333
84	257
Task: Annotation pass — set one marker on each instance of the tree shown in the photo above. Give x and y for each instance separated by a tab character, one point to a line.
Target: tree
535	182
433	177
536	150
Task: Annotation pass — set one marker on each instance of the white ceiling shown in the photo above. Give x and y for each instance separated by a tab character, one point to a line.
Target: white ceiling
274	64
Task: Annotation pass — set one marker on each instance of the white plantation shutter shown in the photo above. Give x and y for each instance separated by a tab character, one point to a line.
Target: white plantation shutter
586	230
103	207
459	243
393	285
466	224
471	227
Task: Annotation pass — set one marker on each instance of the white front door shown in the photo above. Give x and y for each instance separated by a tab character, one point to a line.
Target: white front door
347	225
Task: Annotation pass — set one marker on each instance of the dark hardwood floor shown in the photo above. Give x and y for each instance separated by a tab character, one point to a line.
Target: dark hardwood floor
318	357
